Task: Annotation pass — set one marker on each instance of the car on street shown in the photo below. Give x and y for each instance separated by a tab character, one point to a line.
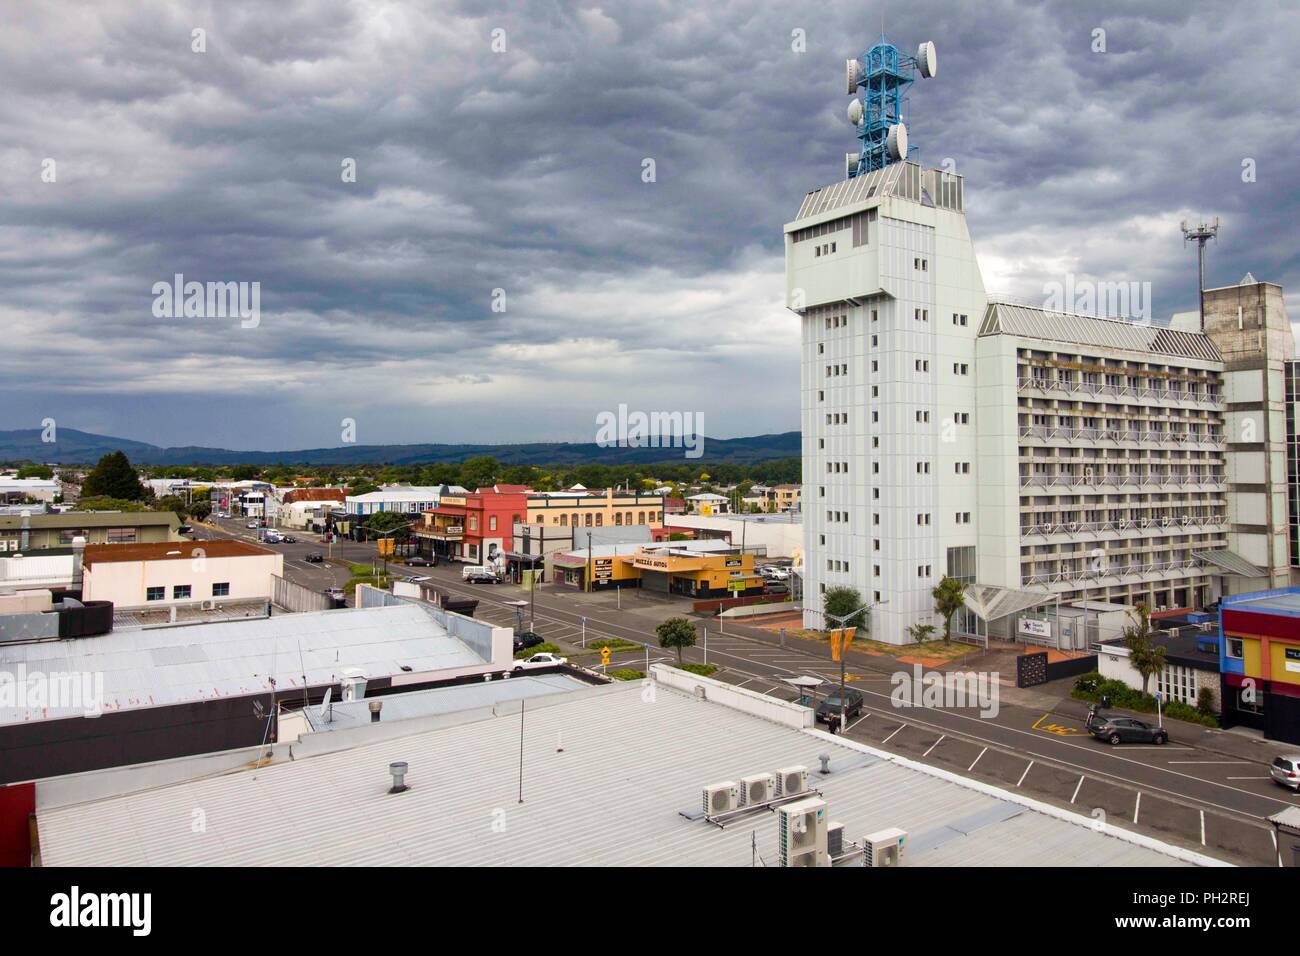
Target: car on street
1286	771
288	539
480	575
1128	730
271	539
313	557
543	659
527	639
776	587
853	701
252	524
420	561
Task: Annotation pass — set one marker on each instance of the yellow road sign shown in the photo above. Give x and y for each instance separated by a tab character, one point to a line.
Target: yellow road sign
604	655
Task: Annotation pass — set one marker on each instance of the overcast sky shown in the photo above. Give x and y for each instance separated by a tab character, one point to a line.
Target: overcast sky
521	170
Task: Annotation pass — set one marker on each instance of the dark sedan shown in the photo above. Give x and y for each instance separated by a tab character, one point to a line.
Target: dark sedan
1128	730
420	561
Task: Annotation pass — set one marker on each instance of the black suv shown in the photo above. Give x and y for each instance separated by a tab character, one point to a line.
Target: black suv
831	705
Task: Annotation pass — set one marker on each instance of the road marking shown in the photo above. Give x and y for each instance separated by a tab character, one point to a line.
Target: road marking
891	736
977	760
935	744
1137	806
1077	788
1248	778
1202	828
1024	775
856	722
1208	762
1055	728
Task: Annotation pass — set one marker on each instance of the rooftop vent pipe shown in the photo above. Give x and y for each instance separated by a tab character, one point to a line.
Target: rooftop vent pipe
375	707
398	770
826	762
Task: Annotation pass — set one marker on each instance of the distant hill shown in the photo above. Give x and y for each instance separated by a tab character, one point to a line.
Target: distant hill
78	447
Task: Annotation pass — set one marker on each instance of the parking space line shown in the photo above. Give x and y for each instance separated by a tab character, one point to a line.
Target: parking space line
856	722
1137	806
891	736
1202	828
1024	775
977	760
1249	778
1077	788
941	739
1205	762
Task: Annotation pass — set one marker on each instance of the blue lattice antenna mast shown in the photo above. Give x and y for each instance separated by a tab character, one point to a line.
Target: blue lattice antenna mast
883	74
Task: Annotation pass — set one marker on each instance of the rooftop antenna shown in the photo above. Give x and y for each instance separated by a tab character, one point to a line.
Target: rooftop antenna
884	74
1200	235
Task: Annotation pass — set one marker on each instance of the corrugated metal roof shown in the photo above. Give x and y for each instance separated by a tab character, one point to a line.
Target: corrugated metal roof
1231	562
1013	319
611	796
880	182
169	665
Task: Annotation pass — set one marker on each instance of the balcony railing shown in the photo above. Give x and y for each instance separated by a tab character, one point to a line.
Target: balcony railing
453	532
1139	392
1124	525
1134	569
1066	433
1156	480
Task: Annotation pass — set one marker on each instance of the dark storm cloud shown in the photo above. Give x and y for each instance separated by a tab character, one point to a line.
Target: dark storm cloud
520	171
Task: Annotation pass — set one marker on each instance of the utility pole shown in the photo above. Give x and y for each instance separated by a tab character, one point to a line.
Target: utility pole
1200	235
842	618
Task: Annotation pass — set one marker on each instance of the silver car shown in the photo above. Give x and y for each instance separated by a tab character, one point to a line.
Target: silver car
1286	771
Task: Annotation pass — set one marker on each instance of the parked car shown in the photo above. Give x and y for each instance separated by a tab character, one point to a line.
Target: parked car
313	557
544	659
1128	730
1286	771
776	587
253	524
853	701
288	539
271	539
479	575
526	640
420	561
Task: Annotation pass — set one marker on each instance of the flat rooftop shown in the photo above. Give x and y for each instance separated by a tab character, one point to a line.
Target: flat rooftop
1273	602
171	665
172	551
607	773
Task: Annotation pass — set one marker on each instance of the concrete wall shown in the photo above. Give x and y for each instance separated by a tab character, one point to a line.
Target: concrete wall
126	583
737	698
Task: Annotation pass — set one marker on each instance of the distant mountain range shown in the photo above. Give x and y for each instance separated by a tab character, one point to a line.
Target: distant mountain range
78	447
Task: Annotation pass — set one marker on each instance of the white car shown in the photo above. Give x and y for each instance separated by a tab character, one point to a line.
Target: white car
544	659
253	524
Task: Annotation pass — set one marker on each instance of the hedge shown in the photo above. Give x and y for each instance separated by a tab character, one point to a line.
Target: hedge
1092	687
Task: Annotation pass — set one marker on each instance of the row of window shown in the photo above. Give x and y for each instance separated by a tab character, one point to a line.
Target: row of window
183	592
597	520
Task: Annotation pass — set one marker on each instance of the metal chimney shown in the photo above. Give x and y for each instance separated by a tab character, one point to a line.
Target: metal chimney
398	770
24	542
375	707
78	555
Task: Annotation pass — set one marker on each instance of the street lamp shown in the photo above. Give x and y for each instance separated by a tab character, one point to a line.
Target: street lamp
842	618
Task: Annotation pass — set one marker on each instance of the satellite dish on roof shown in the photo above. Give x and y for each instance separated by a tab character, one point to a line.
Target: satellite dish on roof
851	164
896	142
855	112
925	59
852	75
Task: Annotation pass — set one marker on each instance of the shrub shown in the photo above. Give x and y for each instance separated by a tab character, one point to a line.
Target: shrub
544	647
703	670
1092	687
626	673
613	643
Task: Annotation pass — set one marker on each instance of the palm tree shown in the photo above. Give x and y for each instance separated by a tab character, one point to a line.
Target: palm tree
1146	657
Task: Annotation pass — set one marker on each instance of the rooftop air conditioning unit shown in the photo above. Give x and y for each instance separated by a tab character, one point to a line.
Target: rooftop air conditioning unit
791	780
834	839
721	797
757	789
884	848
803	833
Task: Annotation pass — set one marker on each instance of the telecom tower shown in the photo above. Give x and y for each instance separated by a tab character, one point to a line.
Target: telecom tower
884	74
1200	235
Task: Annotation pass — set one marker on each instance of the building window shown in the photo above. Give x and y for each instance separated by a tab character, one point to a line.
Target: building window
155	594
121	536
67	534
180	592
492	522
221	590
1234	648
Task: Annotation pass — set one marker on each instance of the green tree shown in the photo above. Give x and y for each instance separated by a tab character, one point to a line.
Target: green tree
480	471
676	632
841	600
245	472
199	509
44	472
113	477
172	503
1146	657
949	598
